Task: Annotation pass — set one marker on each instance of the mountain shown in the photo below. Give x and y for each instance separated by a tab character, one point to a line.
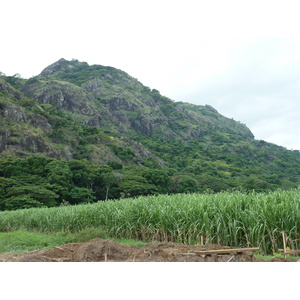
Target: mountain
101	115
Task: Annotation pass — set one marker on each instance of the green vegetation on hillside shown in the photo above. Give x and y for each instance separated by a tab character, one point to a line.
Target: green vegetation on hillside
79	134
45	182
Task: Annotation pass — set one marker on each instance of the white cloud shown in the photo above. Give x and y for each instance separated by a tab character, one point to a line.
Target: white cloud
205	52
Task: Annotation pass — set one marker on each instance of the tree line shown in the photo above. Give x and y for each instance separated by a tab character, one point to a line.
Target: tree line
37	181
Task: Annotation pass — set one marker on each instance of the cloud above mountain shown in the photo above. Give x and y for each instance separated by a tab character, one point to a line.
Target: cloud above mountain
259	86
241	58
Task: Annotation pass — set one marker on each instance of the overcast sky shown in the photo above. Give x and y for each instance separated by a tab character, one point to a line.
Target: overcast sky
241	57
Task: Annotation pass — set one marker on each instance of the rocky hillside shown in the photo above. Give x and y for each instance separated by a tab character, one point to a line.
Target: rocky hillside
101	97
109	98
74	111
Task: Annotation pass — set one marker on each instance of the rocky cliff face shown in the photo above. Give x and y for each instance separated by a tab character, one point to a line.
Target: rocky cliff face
6	88
44	115
126	104
21	130
61	95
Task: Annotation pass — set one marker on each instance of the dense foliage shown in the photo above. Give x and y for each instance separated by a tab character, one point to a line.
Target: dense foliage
44	182
231	219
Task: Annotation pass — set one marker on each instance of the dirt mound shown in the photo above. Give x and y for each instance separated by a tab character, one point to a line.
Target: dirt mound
104	250
100	250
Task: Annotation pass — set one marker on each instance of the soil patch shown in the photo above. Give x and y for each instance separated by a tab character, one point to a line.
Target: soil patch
100	250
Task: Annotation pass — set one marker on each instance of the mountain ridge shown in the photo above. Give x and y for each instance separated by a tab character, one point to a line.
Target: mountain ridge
114	87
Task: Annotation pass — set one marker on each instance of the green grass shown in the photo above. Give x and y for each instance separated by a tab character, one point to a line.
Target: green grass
269	257
130	242
231	219
21	240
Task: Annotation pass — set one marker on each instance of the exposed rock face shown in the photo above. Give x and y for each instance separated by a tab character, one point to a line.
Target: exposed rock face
4	87
51	68
15	113
60	65
13	142
62	95
40	122
95	86
34	144
210	108
4	135
126	104
102	97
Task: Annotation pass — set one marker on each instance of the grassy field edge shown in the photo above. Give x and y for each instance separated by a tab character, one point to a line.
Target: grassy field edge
23	240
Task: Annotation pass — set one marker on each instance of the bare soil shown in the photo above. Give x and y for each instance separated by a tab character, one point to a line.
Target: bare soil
100	250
